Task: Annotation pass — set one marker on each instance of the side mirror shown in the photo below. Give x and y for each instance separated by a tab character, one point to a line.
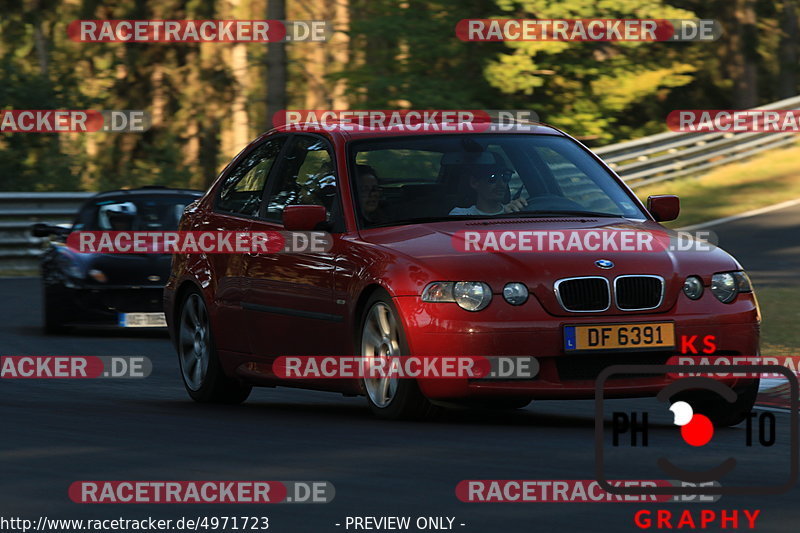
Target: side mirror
303	217
41	229
664	207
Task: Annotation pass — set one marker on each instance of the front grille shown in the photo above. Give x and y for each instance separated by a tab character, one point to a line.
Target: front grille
635	293
588	367
583	295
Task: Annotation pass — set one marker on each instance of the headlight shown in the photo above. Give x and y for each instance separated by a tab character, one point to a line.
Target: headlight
727	285
472	295
70	268
515	293
438	291
469	295
693	287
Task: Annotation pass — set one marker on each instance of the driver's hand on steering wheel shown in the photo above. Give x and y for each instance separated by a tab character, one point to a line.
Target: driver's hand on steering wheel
515	205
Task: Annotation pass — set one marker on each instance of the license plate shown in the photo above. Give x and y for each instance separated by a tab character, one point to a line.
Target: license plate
619	336
142	320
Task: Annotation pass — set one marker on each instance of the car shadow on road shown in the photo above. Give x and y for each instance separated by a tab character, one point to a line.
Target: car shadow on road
355	410
97	332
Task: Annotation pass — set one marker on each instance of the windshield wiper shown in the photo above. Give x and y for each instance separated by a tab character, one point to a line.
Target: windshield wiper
425	220
516	214
550	212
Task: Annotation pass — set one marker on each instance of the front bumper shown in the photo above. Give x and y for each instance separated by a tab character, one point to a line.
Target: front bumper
446	329
101	305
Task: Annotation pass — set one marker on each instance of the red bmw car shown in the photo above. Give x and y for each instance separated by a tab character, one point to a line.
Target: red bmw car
395	283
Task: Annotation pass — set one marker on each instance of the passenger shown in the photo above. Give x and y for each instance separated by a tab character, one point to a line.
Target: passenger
369	194
491	187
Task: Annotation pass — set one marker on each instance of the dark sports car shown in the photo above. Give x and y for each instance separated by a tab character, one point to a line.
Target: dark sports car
110	289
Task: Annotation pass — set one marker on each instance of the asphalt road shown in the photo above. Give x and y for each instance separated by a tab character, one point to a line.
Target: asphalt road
55	432
767	245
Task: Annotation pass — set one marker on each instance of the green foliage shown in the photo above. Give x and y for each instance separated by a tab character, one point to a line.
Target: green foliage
403	54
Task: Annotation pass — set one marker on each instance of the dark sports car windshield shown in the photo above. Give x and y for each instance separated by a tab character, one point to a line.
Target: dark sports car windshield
131	213
401	180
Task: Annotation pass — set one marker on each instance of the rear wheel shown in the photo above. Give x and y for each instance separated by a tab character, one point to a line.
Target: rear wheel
717	409
382	336
201	370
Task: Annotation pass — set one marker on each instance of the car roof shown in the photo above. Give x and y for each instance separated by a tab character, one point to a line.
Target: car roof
147	191
346	130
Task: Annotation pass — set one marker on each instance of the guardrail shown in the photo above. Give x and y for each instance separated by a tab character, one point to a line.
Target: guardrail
671	155
19	250
647	160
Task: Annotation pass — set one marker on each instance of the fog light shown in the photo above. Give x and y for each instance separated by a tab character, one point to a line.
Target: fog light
693	287
515	293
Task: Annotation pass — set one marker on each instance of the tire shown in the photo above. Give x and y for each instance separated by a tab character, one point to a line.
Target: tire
381	334
201	370
717	409
52	315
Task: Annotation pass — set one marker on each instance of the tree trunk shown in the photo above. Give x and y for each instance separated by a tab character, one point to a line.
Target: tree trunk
745	55
276	65
787	50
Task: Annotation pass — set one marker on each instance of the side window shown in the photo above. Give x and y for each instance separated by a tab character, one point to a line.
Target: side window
307	177
241	191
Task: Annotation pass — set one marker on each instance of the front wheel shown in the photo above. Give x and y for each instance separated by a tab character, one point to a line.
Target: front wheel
382	336
53	321
201	370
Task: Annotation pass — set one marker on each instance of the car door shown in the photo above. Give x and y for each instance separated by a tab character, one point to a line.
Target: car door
289	303
237	203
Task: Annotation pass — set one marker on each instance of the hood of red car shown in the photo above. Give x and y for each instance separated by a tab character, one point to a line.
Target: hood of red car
437	249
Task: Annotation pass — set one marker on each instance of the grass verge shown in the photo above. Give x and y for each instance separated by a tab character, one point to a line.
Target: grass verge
769	178
780	315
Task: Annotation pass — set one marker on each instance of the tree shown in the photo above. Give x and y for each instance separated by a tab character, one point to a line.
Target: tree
276	65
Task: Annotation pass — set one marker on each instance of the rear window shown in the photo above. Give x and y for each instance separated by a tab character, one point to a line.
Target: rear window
133	213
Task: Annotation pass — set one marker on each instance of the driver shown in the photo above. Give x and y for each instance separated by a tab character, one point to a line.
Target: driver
490	183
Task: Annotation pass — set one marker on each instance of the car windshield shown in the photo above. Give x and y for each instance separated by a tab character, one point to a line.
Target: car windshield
132	213
402	180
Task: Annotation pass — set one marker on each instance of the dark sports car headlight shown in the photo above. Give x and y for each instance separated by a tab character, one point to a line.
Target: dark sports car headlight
726	286
69	267
469	295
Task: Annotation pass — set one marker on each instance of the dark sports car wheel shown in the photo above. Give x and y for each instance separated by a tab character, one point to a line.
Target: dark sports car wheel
382	336
202	373
52	314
